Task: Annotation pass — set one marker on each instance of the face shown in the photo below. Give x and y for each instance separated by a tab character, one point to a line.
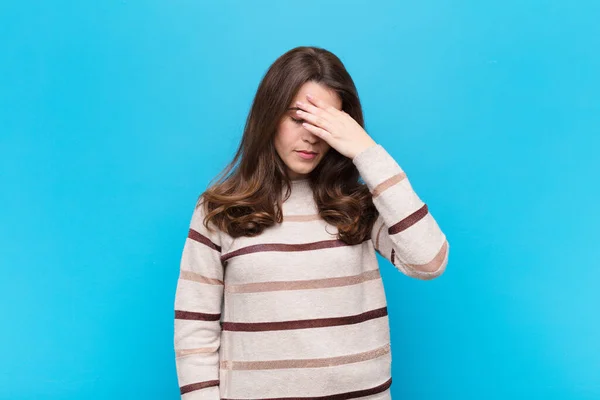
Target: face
292	137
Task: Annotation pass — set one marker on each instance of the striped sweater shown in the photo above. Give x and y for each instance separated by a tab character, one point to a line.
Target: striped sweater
295	313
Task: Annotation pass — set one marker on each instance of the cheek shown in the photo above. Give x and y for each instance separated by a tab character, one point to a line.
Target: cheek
287	136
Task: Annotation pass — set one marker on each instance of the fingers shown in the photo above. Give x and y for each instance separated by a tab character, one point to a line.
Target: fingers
310	108
316	120
322	105
320	132
319	113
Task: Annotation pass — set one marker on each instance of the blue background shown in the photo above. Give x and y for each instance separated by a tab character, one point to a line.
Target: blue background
114	116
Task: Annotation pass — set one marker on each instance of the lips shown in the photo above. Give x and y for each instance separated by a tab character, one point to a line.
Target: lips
306	155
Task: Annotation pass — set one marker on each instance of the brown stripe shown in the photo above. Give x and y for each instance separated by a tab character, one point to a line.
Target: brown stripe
256	287
323	244
192	276
200	350
388	183
340	396
303	324
437	261
196	316
409	221
306	363
301	218
196	386
198	237
432	265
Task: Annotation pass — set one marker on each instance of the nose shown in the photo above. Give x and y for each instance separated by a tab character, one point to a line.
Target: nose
310	137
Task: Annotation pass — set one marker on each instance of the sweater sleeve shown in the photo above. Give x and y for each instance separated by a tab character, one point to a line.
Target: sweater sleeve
198	302
404	233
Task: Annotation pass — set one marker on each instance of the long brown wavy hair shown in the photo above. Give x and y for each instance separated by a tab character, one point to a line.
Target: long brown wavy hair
247	196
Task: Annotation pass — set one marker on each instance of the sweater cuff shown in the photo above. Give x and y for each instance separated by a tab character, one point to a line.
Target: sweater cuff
375	165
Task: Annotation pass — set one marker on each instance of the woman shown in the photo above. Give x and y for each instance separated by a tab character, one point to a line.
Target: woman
279	293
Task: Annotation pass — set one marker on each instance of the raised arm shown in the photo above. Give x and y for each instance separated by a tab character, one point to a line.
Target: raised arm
405	233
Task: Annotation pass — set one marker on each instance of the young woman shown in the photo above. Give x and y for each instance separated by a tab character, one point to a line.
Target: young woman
279	294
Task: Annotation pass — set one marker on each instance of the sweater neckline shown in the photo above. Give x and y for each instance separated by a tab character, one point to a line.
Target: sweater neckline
301	187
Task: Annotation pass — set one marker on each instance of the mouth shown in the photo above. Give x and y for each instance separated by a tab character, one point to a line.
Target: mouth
307	155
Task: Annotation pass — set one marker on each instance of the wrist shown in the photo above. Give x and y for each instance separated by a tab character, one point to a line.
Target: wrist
364	146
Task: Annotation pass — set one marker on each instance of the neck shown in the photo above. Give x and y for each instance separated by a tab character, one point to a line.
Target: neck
301	187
